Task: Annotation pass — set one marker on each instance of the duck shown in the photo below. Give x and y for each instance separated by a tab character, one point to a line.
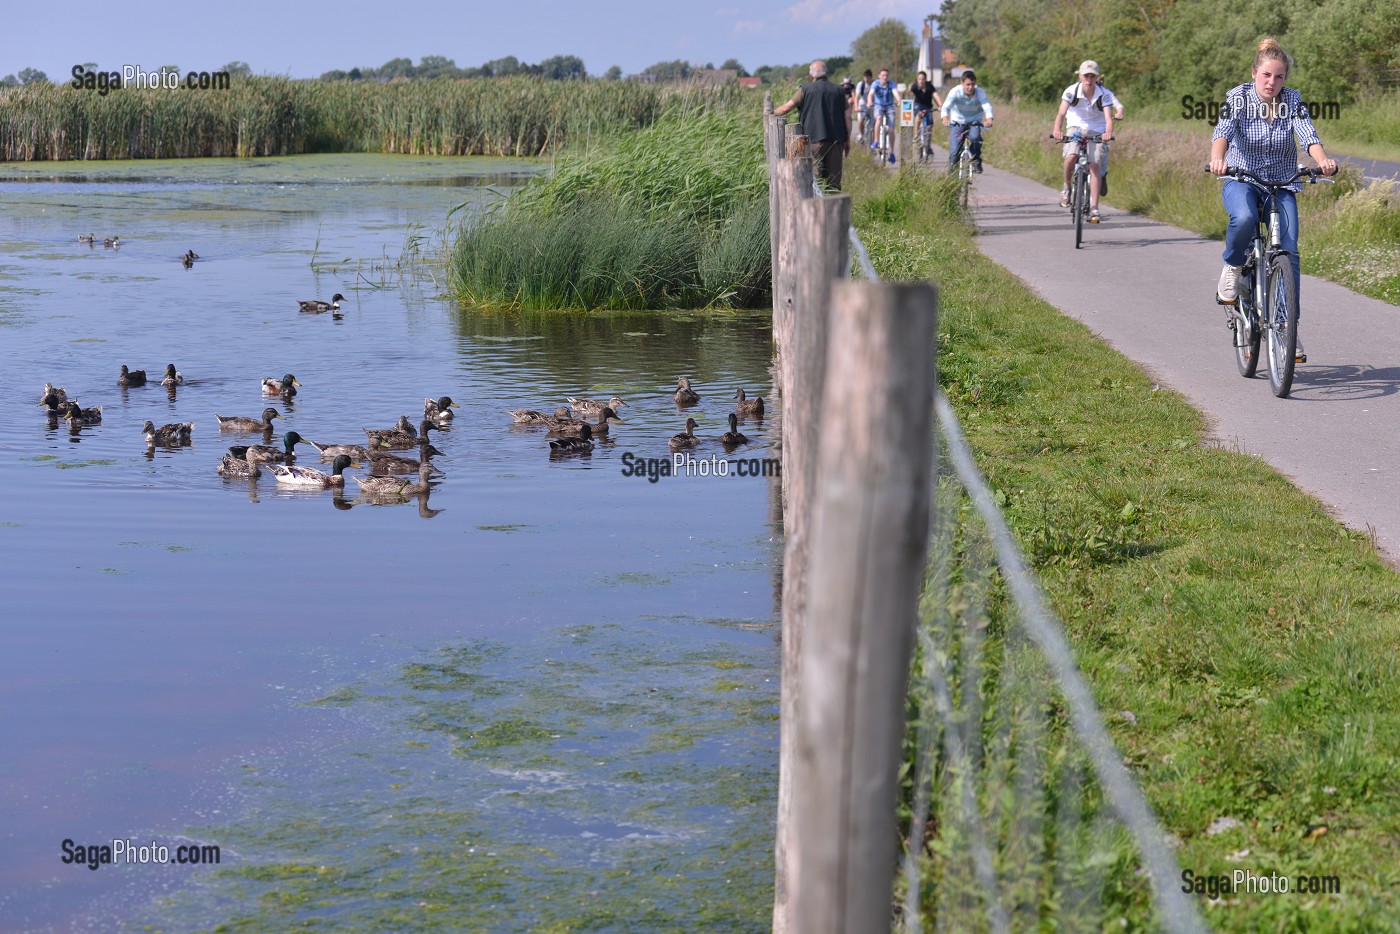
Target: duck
77	415
131	377
56	391
317	306
600	428
188	259
747	408
581	444
401	437
239	423
439	410
231	465
309	476
382	463
536	417
173	377
686	439
111	241
53	403
331	451
588	408
270	453
732	438
176	433
286	386
88	239
684	394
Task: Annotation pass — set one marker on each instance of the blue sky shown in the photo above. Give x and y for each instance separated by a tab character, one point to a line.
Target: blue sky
305	39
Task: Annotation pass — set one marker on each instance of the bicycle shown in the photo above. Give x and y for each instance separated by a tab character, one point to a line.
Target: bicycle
1274	292
924	135
1079	186
884	146
964	172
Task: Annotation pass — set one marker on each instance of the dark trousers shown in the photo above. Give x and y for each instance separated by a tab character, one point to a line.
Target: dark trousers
827	159
955	137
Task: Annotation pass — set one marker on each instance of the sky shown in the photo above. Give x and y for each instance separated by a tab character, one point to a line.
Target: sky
306	39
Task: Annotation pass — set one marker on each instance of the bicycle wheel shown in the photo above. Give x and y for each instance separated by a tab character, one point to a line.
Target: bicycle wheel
1078	204
964	177
1282	312
1244	326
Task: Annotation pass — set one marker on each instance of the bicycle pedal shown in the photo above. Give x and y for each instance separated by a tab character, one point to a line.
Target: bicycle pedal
1232	304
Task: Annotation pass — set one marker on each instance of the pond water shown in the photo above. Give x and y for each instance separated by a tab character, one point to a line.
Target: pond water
543	695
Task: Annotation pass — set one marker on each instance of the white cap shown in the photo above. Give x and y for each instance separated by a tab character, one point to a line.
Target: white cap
1088	67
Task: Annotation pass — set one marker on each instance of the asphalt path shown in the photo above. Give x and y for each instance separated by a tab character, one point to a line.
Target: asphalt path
1148	290
1371	169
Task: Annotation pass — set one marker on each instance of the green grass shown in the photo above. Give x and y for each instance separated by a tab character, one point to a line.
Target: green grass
1349	234
1251	635
675	216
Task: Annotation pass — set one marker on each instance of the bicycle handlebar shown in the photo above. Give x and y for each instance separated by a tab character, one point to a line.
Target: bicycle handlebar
1078	135
1312	175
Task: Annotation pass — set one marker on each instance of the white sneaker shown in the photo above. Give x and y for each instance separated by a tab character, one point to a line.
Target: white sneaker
1299	354
1064	197
1228	289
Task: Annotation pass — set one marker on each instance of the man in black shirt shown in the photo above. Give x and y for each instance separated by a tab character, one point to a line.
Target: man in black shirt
925	99
826	122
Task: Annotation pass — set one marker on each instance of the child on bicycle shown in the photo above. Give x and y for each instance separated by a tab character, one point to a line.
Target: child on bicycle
1261	126
884	98
966	105
1084	108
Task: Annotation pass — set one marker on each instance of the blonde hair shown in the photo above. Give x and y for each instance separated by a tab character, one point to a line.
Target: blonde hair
1269	49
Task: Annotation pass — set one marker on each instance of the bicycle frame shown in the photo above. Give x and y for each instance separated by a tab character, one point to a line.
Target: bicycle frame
964	163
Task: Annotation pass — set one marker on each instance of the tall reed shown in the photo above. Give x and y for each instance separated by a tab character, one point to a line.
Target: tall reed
267	116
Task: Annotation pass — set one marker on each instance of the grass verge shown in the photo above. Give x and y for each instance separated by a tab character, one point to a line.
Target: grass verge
675	216
1252	637
1350	234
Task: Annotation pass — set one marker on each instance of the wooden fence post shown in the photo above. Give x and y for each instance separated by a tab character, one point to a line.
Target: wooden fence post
869	538
820	229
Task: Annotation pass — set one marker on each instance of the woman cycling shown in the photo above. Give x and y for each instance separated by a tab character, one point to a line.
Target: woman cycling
1261	127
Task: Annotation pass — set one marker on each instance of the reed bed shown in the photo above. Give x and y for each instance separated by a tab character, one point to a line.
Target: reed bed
268	116
675	216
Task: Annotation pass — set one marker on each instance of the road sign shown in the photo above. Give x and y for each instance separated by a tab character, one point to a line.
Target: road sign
906	113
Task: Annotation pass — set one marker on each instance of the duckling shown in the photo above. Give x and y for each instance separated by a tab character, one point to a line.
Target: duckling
583	444
684	394
316	306
176	433
286	386
587	408
270	453
131	377
536	417
80	416
111	241
747	408
686	439
331	451
439	410
308	476
88	239
382	463
231	465
239	423
173	377
599	429
401	437
732	438
51	390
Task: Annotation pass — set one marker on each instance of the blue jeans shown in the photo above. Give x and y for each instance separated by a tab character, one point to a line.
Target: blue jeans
1245	203
955	137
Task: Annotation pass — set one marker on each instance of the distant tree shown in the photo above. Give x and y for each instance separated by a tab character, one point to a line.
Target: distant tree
32	76
475	73
395	68
613	74
10	81
838	66
887	44
354	74
435	66
505	67
242	69
563	67
669	71
734	63
333	75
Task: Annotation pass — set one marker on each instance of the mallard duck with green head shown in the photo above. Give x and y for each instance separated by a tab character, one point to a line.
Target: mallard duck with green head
188	259
293	475
173	377
747	408
240	423
686	439
439	410
112	241
684	394
53	403
589	408
270	453
285	387
77	415
172	435
316	306
131	377
582	444
733	438
599	429
232	465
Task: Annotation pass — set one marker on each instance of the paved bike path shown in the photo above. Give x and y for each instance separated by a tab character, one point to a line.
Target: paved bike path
1148	290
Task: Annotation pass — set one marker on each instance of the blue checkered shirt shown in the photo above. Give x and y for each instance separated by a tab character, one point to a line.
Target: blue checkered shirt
1267	148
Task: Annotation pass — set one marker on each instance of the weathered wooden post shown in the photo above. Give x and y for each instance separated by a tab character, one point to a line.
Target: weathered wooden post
869	537
794	184
821	228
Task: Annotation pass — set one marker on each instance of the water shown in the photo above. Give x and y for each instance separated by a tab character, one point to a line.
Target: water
543	694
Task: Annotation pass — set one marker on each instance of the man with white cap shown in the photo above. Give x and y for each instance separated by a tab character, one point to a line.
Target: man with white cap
1086	107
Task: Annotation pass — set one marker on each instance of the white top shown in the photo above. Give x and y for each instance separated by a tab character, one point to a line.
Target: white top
1086	113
